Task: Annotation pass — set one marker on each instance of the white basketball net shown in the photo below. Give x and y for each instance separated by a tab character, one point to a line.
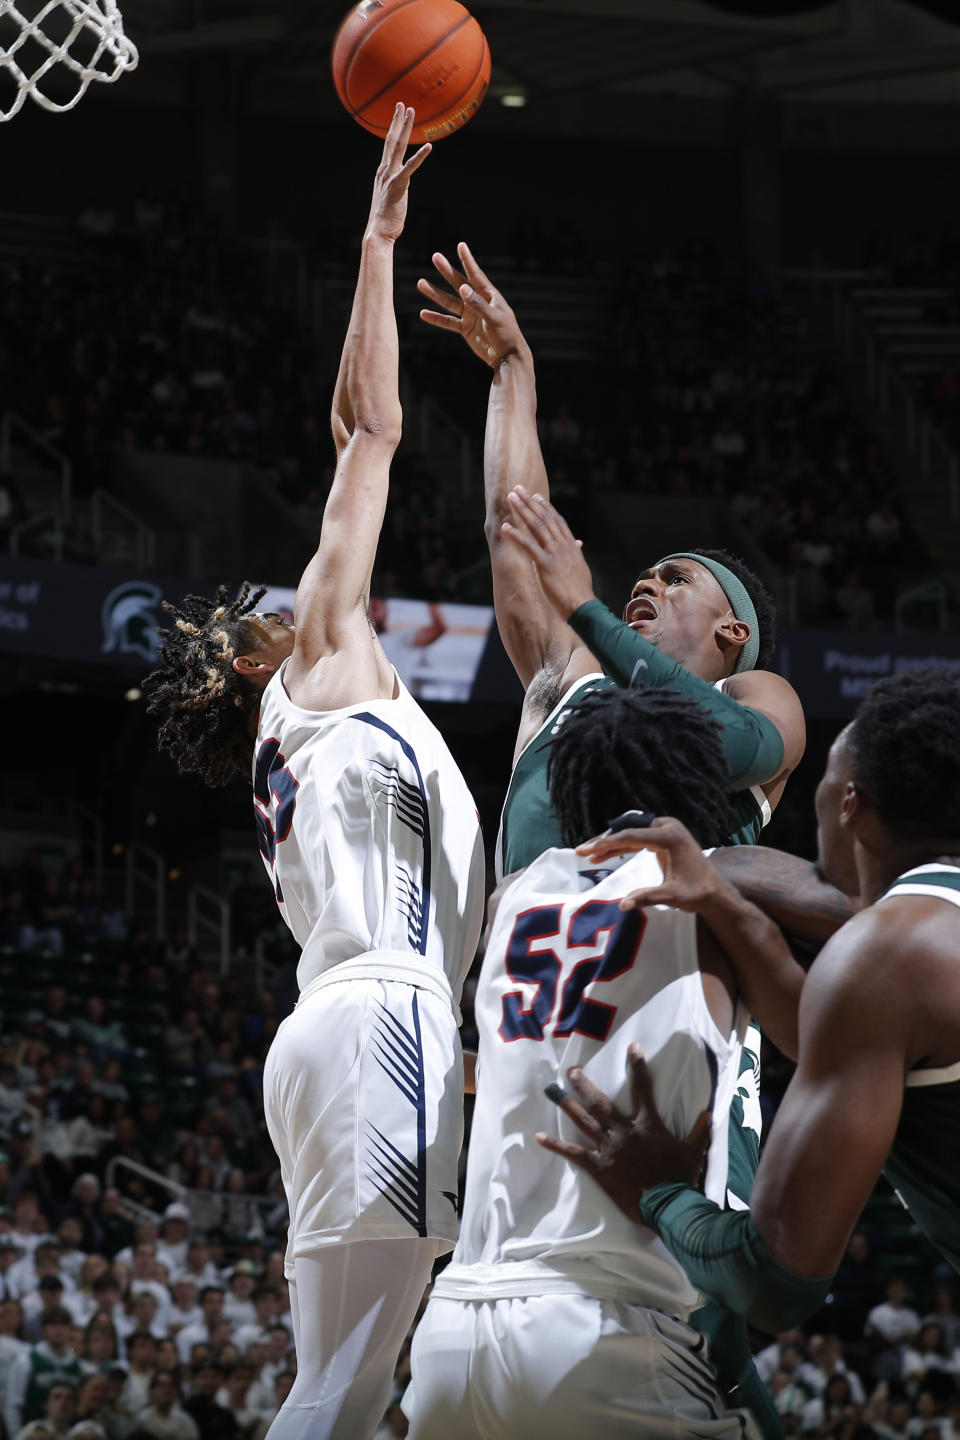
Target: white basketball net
83	39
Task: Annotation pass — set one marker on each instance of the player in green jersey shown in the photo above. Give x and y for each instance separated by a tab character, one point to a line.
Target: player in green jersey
877	1085
698	622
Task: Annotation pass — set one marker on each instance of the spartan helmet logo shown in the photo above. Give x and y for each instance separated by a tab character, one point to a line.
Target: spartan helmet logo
128	622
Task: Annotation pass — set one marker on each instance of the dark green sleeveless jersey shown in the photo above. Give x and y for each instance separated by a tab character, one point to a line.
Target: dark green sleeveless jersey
924	1162
528	825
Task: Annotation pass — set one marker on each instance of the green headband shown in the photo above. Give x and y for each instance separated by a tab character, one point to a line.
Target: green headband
740	602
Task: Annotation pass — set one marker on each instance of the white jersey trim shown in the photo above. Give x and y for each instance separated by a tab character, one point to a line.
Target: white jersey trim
947	1075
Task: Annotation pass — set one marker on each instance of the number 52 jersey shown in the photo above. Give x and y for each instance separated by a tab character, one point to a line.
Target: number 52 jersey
570	979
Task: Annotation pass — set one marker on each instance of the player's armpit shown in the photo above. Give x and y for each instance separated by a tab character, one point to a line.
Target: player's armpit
791	891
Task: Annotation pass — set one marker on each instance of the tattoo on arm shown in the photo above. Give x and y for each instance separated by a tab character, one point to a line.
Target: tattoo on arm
791	891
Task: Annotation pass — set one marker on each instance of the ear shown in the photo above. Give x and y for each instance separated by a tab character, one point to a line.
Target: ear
245	665
851	806
732	634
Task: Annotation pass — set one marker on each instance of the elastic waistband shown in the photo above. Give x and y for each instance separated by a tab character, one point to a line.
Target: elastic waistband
519	1279
398	965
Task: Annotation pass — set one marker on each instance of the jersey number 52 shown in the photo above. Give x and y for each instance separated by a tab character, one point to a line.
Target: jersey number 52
559	1004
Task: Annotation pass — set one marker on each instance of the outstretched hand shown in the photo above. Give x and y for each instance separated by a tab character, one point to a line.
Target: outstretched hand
472	308
547	538
627	1156
388	209
689	882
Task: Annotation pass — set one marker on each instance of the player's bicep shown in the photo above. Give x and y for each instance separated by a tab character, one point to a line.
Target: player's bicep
774	697
337	580
837	1121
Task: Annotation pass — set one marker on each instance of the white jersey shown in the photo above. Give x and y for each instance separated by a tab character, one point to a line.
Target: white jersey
570	979
369	834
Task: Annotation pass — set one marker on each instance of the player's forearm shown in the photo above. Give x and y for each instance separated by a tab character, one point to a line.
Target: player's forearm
788	889
727	1259
769	979
367	394
511	450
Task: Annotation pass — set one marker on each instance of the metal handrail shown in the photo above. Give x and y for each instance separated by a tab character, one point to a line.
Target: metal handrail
12	421
154	875
219	927
45	517
146	540
175	1189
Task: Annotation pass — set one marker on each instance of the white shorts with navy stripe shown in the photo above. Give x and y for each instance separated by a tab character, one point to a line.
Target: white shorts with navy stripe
363	1094
567	1366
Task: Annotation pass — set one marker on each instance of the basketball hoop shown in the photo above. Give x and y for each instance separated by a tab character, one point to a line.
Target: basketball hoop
78	40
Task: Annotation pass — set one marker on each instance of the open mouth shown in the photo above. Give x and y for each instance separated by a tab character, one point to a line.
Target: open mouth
641	609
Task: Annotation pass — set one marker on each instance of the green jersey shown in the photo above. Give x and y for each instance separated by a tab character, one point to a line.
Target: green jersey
528	825
924	1161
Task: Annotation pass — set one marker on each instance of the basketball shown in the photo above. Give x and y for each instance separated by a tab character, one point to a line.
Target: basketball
430	54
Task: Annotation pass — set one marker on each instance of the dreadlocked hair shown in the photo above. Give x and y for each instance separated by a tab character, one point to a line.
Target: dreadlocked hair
904	753
204	706
623	750
759	594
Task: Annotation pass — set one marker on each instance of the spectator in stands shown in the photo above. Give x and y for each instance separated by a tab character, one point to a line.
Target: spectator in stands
113	1221
200	1266
174	1236
944	1313
238	1303
234	1394
100	1345
890	1327
104	1038
164	1417
12	1343
90	1400
58	1409
141	1367
213	1421
34	1372
38	1303
929	1363
211	1310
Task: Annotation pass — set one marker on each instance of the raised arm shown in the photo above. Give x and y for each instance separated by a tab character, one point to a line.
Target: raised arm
474	309
330	608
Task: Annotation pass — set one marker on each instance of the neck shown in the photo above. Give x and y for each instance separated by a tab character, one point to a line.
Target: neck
877	869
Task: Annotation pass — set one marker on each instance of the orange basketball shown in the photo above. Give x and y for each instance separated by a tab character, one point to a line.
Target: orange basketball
430	54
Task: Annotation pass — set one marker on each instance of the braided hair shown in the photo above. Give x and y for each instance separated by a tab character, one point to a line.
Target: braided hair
903	750
622	750
205	708
759	594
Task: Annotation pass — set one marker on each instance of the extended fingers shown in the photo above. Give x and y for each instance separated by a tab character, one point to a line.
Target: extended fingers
442	322
454	277
397	136
576	1154
474	274
575	1111
641	1083
598	1105
416	160
451	303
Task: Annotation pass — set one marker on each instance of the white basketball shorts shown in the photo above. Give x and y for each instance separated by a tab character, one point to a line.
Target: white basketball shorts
363	1094
567	1366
